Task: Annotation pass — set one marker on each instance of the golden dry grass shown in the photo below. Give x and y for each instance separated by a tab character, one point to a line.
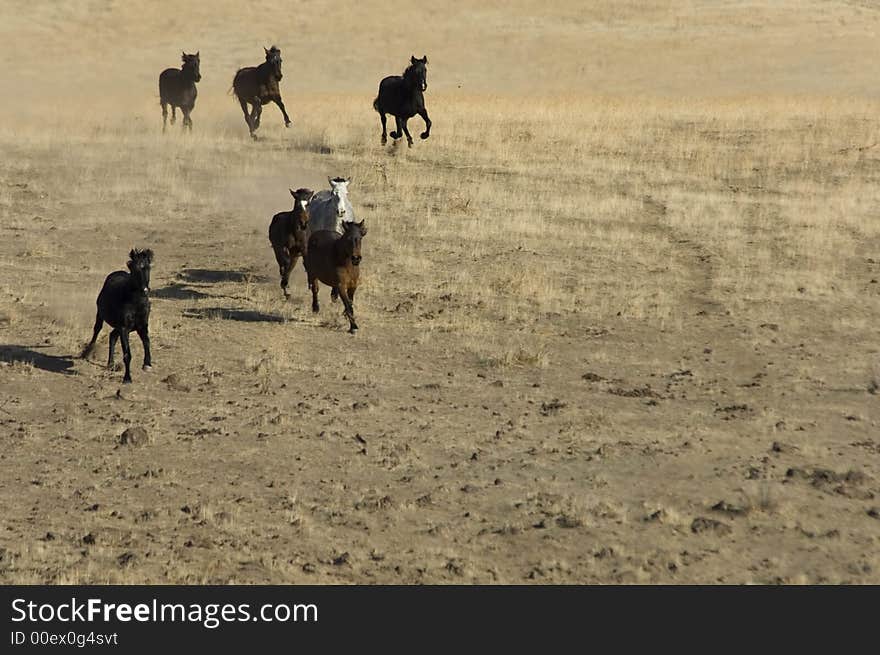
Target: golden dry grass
631	275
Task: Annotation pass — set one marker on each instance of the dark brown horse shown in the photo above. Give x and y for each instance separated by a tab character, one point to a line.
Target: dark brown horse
289	233
257	86
335	259
177	87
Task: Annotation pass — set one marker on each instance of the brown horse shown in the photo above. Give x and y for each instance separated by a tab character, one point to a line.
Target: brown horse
288	234
257	86
335	259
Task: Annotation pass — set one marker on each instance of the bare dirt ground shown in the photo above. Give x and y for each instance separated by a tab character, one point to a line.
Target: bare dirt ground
619	314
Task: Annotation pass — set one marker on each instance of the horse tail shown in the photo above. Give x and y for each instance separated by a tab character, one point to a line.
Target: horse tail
232	90
376	103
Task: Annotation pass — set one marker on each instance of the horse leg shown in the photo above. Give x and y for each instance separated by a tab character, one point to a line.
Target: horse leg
144	334
282	255
114	335
281	259
396	134
164	115
384	128
126	355
280	104
424	114
247	116
409	141
255	118
349	309
334	294
187	121
99	323
313	285
258	112
173	114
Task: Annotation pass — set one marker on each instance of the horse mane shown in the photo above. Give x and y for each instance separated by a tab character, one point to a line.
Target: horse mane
408	71
141	254
350	226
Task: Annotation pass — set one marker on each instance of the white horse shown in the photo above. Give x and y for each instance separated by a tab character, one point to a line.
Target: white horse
329	209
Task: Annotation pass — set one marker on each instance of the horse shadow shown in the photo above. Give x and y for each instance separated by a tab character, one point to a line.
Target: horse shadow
317	148
177	291
52	363
226	314
206	275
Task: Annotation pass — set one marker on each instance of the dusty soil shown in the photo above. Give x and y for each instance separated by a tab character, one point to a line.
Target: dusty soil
608	341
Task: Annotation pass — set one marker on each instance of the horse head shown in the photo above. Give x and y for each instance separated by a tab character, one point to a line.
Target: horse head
339	194
191	65
352	235
416	73
301	197
273	58
139	265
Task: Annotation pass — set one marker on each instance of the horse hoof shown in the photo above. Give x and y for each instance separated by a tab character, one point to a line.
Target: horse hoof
424	135
147	368
126	381
352	330
288	124
384	140
394	135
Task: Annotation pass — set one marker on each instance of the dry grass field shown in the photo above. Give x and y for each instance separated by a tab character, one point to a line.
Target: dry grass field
619	314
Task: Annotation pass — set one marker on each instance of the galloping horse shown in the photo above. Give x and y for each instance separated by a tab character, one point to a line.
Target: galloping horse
335	259
401	96
289	235
329	209
177	87
257	86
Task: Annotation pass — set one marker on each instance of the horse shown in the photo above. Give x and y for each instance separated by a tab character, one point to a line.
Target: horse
124	303
402	97
257	86
329	209
334	259
177	87
288	234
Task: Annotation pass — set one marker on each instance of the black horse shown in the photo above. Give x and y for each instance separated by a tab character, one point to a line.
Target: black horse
177	87
124	303
401	96
257	86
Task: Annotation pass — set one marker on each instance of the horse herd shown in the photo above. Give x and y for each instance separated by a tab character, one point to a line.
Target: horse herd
329	243
321	227
255	86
